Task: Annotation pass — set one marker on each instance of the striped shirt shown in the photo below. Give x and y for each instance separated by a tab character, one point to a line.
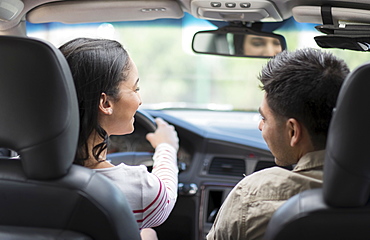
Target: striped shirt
151	196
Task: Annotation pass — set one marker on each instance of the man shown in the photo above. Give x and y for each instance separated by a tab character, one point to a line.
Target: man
301	89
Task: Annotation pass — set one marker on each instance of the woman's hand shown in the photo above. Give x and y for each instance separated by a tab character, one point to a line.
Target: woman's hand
165	133
148	234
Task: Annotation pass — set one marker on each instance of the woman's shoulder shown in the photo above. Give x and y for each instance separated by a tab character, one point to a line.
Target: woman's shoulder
127	175
122	168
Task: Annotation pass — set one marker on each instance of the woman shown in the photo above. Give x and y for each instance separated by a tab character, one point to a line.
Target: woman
106	81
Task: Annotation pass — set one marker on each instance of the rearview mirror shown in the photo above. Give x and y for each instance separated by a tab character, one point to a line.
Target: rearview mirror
239	42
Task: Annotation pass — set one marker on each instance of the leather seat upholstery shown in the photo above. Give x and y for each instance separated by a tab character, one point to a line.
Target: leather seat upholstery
42	194
341	209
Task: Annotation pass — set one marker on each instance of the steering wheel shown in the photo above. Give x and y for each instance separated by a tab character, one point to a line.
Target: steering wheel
146	120
144	123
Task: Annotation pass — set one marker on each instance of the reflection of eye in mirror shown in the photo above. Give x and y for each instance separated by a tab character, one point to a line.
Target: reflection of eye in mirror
242	44
254	45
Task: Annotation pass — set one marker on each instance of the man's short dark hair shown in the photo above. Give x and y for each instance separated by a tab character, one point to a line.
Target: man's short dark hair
304	85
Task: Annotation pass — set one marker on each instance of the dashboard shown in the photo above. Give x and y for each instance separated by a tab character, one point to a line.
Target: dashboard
217	149
136	142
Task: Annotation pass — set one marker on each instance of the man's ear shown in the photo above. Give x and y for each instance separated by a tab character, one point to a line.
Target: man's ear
295	130
105	105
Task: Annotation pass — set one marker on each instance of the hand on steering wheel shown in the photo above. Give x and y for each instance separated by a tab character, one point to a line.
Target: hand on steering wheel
165	133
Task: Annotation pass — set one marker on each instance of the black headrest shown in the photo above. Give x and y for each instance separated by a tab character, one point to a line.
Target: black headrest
347	161
39	113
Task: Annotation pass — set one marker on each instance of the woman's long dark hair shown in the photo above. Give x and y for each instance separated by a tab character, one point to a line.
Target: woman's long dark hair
97	66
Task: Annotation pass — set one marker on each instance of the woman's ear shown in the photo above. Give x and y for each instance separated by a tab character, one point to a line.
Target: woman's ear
295	129
105	105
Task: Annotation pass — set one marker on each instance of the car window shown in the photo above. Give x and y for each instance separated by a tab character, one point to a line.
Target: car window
172	76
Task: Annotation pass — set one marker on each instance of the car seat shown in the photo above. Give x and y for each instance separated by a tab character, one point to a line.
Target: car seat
42	194
340	210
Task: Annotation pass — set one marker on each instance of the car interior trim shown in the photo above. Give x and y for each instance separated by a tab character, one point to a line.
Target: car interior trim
312	14
257	10
95	11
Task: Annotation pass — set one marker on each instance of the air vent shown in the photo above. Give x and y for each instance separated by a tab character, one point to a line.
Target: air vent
227	166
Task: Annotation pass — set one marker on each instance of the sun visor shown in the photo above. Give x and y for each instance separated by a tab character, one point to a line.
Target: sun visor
345	28
107	11
313	14
357	43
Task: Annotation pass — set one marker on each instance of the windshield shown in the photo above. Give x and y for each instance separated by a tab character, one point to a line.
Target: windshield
172	76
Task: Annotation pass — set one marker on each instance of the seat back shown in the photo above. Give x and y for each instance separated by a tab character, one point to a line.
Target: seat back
347	163
42	193
341	209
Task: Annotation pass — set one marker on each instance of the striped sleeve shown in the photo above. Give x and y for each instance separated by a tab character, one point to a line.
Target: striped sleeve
165	176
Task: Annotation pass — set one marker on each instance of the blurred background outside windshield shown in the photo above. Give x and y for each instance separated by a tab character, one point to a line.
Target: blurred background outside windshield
172	76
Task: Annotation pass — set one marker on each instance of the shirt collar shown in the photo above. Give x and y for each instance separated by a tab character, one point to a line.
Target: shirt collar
310	160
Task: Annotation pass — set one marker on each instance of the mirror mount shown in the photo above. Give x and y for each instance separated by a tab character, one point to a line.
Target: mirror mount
239	39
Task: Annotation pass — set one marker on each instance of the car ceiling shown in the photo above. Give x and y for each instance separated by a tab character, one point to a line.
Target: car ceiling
13	13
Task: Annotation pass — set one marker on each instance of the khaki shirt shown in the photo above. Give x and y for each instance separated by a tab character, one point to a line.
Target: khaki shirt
248	208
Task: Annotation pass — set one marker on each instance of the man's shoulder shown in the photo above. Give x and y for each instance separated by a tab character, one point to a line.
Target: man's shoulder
275	183
265	178
271	172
